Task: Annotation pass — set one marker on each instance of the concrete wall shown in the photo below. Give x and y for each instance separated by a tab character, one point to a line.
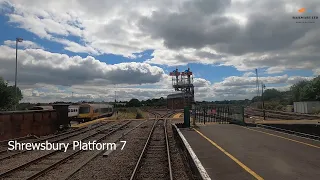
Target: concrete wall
23	123
307	107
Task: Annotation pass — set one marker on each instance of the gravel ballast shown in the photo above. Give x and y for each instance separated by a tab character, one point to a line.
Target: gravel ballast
119	164
28	156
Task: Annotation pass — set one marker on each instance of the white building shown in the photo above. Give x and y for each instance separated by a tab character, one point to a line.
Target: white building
307	107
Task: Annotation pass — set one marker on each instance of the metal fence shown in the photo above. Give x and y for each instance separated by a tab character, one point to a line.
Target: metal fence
218	113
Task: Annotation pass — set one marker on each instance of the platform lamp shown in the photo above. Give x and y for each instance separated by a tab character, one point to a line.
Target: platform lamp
15	78
262	89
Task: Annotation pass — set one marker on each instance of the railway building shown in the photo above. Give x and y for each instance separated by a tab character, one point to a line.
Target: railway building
179	100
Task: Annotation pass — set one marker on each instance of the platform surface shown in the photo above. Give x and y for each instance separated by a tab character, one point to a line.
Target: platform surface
230	151
260	120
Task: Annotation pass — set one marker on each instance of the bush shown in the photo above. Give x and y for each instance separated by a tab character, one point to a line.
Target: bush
139	114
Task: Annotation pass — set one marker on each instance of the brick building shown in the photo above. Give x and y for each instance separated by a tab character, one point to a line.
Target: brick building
179	100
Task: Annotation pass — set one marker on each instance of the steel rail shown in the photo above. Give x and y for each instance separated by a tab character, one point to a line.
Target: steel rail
168	149
73	171
42	139
4	174
42	172
135	171
78	131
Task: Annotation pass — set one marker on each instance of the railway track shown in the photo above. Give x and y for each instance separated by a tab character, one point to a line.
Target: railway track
154	161
5	154
43	164
36	139
70	174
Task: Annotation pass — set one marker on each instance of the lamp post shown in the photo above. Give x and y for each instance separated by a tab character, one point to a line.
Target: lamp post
15	78
264	112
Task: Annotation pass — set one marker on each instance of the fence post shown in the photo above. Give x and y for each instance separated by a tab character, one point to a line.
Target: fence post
225	114
210	109
218	114
228	114
186	117
242	113
194	114
204	115
215	114
197	114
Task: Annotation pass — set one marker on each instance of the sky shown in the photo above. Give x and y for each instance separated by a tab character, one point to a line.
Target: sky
95	50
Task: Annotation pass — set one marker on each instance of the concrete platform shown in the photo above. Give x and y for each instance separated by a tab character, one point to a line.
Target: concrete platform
228	151
259	120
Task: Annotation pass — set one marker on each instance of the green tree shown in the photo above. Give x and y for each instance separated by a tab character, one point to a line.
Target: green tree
256	99
271	94
7	96
306	90
296	90
134	103
311	91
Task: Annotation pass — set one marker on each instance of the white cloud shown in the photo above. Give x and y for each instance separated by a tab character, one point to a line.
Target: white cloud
181	32
248	74
242	34
40	66
277	69
25	44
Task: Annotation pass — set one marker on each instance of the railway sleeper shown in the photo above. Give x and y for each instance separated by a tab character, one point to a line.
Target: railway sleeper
157	149
155	159
153	174
157	163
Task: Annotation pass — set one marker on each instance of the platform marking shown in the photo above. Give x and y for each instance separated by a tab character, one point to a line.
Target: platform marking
311	145
231	157
201	169
176	116
288	134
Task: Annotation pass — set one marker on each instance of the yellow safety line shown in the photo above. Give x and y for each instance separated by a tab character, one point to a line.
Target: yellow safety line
311	145
231	157
177	115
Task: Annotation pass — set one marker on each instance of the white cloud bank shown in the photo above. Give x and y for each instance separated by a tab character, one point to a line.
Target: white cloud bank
180	32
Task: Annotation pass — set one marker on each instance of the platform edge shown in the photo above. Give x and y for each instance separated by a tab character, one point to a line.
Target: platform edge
201	170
